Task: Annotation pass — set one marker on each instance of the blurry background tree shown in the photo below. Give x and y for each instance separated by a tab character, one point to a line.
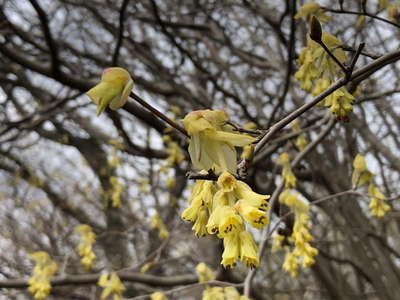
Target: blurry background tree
61	166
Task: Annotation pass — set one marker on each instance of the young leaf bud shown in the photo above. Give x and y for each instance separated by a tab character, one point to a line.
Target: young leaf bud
316	30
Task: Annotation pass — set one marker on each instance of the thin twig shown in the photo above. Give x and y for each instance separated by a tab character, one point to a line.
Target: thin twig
328	51
159	114
120	33
44	21
336	11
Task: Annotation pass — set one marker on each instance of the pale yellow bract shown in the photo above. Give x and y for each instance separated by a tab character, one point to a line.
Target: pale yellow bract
212	143
113	89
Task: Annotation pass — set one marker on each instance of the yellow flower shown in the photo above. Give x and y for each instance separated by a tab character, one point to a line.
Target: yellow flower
212	144
250	126
361	175
157	222
227	182
301	142
287	173
254	216
340	102
158	296
199	226
301	232
170	182
146	267
377	204
312	8
111	284
224	220
320	86
292	200
113	89
87	240
248	250
277	243
240	190
175	153
204	272
45	267
231	293
175	110
214	293
116	191
317	68
231	250
202	195
291	264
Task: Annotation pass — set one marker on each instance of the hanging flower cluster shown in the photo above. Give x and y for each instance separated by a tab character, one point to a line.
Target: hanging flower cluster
301	140
111	285
45	267
116	191
362	176
157	223
300	237
222	293
85	248
224	208
287	173
318	71
204	273
212	293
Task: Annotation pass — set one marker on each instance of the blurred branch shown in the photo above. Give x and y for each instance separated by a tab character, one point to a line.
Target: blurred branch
55	63
93	278
120	32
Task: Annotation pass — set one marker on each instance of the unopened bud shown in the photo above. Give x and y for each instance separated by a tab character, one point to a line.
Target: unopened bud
316	30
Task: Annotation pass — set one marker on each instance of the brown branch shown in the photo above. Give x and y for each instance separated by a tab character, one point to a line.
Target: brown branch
93	278
55	63
338	11
120	32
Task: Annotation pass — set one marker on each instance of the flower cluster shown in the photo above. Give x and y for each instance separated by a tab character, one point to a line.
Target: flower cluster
175	153
157	223
111	285
85	247
45	267
226	207
158	296
222	293
300	237
310	9
362	176
116	191
212	142
318	71
204	273
287	173
301	140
